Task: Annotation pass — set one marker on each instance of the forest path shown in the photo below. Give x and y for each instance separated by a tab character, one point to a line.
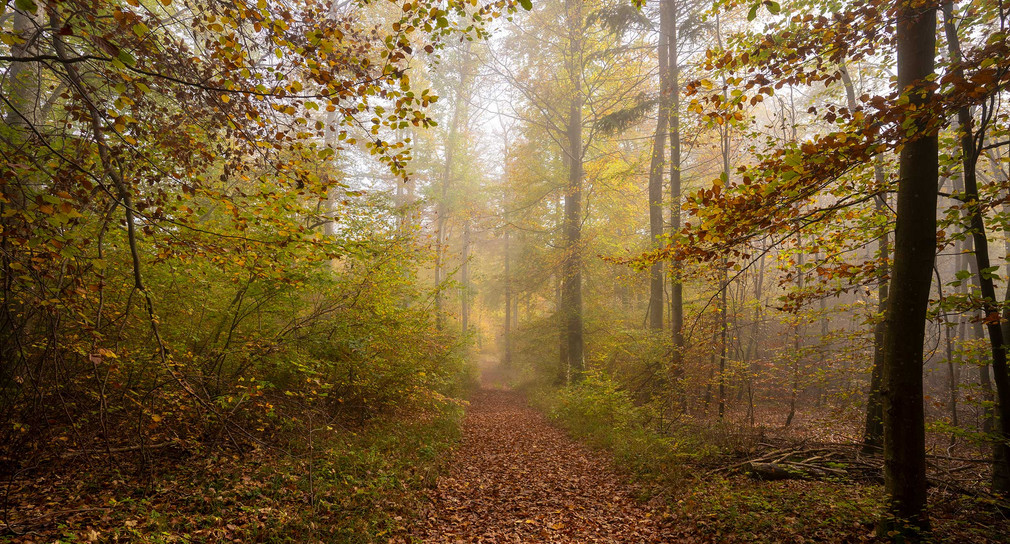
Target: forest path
516	478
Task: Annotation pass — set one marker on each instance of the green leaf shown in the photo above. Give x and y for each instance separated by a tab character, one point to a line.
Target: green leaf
753	13
126	57
140	29
26	5
526	4
773	7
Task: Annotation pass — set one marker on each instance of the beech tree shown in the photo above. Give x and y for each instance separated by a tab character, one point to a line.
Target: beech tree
914	251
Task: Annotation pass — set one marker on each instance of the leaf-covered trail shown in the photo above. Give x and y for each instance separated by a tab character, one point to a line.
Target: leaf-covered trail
515	478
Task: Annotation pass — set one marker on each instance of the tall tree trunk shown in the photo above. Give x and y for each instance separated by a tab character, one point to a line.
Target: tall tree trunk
564	368
752	345
873	428
794	385
978	333
571	288
943	322
507	361
873	425
464	271
459	114
656	305
723	323
724	142
971	144
908	297
984	379
443	209
676	288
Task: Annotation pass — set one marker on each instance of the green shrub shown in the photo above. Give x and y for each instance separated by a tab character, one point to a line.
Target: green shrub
599	411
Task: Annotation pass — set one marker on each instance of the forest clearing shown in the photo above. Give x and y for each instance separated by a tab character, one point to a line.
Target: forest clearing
504	271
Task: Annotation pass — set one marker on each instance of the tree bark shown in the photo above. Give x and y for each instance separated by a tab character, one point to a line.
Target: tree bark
571	287
873	427
443	209
978	333
723	325
507	361
464	271
970	151
797	339
676	288
908	297
656	305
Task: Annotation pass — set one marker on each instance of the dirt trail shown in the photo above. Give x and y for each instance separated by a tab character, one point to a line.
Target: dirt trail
515	478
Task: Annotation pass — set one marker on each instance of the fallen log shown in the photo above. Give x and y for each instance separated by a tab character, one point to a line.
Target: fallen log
782	471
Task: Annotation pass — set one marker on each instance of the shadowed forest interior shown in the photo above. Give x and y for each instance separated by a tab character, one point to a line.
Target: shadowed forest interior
504	271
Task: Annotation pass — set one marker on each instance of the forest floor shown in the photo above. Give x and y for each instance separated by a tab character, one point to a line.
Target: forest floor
506	474
517	478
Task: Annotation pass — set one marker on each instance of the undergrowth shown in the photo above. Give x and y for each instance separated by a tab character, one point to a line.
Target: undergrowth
675	460
598	411
354	486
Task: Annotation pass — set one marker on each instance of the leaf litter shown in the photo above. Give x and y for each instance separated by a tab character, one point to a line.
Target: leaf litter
517	479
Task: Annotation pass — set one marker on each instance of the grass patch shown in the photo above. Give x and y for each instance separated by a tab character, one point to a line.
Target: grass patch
740	509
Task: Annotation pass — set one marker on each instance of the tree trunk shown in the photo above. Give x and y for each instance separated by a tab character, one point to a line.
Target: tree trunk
723	286
571	288
507	361
978	333
676	289
464	271
970	153
797	339
656	305
908	300
873	426
443	210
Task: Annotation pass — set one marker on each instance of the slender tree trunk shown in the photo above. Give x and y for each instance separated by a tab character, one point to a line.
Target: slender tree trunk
723	286
656	304
676	288
978	333
753	345
797	339
908	297
724	282
443	210
508	297
943	322
564	368
970	151
464	271
825	346
571	288
873	426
